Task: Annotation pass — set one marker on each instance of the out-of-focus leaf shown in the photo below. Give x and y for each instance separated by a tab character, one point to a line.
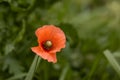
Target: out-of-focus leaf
87	22
21	33
21	5
61	11
71	33
9	48
18	76
13	65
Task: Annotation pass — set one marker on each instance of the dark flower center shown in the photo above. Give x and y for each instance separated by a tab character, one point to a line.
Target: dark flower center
47	45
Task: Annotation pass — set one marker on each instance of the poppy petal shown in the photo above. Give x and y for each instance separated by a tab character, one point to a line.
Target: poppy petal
44	33
51	57
58	42
48	32
55	34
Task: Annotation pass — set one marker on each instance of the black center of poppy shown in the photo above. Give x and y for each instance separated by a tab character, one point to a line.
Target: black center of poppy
47	45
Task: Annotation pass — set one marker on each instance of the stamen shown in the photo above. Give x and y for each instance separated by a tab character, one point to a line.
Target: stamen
47	45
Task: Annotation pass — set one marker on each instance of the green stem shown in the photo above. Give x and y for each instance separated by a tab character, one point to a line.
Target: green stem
94	67
33	67
64	72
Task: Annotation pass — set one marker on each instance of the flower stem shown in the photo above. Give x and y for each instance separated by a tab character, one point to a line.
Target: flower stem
33	67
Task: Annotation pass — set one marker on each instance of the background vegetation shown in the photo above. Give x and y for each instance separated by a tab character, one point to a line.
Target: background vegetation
91	28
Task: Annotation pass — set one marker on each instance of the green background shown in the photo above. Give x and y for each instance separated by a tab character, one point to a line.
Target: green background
91	27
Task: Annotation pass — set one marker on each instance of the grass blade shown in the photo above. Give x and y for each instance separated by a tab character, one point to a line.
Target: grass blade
112	61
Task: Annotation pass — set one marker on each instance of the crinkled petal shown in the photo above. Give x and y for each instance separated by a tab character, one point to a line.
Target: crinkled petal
52	33
45	33
51	57
49	32
59	42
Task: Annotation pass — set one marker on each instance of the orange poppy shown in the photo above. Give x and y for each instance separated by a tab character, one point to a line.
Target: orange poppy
50	39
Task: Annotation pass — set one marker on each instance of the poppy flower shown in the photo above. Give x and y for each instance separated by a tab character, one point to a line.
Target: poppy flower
51	39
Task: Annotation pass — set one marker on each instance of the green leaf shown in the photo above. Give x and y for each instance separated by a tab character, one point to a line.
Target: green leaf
86	22
13	65
16	77
20	5
8	48
21	33
71	34
112	61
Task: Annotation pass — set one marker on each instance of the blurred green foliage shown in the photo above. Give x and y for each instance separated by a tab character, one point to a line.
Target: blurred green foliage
91	26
